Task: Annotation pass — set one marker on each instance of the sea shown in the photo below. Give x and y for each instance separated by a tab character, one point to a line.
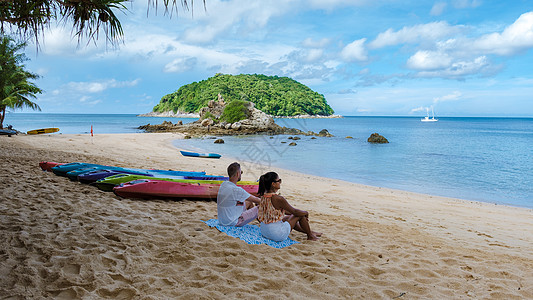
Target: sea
472	158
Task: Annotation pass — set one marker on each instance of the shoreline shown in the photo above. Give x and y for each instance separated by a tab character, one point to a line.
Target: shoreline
377	243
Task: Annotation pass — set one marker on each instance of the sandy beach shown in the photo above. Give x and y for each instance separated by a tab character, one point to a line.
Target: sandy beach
66	240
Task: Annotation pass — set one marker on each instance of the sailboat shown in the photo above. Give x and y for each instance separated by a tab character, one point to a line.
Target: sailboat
427	119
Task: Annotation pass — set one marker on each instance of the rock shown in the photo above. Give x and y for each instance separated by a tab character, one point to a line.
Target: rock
295	138
313	138
207	122
377	139
324	132
290	137
349	137
292	144
187	137
180	122
219	141
228	126
283	142
236	126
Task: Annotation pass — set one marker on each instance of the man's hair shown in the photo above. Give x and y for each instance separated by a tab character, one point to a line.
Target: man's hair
232	168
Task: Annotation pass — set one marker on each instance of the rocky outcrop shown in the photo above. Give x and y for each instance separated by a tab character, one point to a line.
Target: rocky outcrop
324	132
257	123
377	139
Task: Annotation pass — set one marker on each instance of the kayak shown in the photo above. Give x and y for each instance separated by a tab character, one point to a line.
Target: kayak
43	130
62	170
98	174
7	132
75	174
107	184
195	154
150	188
48	165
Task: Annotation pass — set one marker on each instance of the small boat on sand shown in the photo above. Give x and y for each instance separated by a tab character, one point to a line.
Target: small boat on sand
43	131
150	188
107	184
7	132
48	165
196	154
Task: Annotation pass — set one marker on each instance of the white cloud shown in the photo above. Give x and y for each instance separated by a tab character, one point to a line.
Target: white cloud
438	8
418	109
240	17
180	65
429	60
415	34
456	95
314	55
100	86
460	69
515	38
311	43
59	41
355	51
84	98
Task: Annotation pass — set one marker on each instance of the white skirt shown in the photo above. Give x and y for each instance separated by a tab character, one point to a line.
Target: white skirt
278	231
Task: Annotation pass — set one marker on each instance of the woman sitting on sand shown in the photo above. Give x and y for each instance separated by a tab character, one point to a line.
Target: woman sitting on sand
276	215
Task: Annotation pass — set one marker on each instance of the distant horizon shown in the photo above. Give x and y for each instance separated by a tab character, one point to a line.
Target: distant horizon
377	116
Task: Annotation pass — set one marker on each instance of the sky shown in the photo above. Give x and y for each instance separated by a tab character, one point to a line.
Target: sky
367	57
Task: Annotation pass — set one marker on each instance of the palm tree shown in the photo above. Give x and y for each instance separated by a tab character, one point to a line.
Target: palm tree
30	18
16	89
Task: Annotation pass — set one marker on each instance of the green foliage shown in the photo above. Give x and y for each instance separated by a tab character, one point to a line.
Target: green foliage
278	96
234	111
209	115
16	89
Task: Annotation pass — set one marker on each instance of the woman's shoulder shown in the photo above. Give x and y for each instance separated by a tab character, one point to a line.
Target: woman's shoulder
277	197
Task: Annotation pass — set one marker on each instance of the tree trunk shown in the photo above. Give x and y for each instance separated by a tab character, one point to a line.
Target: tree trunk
2	116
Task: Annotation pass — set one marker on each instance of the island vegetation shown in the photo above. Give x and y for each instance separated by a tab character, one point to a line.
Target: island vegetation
276	96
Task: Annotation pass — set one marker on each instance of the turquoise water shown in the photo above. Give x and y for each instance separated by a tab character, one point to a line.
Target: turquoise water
81	123
482	159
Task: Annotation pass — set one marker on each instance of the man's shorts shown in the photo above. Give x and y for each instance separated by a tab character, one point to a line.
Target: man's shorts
247	216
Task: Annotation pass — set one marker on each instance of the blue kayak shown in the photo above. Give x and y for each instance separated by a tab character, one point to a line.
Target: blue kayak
62	170
195	154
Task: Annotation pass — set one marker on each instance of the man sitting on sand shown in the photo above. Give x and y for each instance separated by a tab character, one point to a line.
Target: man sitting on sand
235	206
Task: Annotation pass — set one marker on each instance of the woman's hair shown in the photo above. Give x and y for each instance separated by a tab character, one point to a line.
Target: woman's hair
265	182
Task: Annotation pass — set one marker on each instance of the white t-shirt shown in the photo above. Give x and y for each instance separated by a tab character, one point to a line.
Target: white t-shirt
228	196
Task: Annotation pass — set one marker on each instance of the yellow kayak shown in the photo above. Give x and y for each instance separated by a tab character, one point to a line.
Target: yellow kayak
43	130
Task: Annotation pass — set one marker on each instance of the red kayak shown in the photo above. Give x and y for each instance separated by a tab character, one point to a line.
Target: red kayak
48	165
149	189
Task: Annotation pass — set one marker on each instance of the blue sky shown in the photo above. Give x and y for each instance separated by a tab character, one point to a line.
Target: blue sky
383	58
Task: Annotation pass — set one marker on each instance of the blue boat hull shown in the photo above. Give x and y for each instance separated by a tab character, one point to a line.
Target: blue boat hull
205	155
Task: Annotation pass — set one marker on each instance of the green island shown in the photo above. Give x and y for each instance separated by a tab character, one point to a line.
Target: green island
276	96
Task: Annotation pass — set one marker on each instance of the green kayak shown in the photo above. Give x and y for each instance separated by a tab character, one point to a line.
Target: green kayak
107	184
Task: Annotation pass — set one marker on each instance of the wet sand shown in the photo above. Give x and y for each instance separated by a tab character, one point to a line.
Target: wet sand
66	240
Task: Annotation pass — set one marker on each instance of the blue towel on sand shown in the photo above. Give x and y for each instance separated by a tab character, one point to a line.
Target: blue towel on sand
249	233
